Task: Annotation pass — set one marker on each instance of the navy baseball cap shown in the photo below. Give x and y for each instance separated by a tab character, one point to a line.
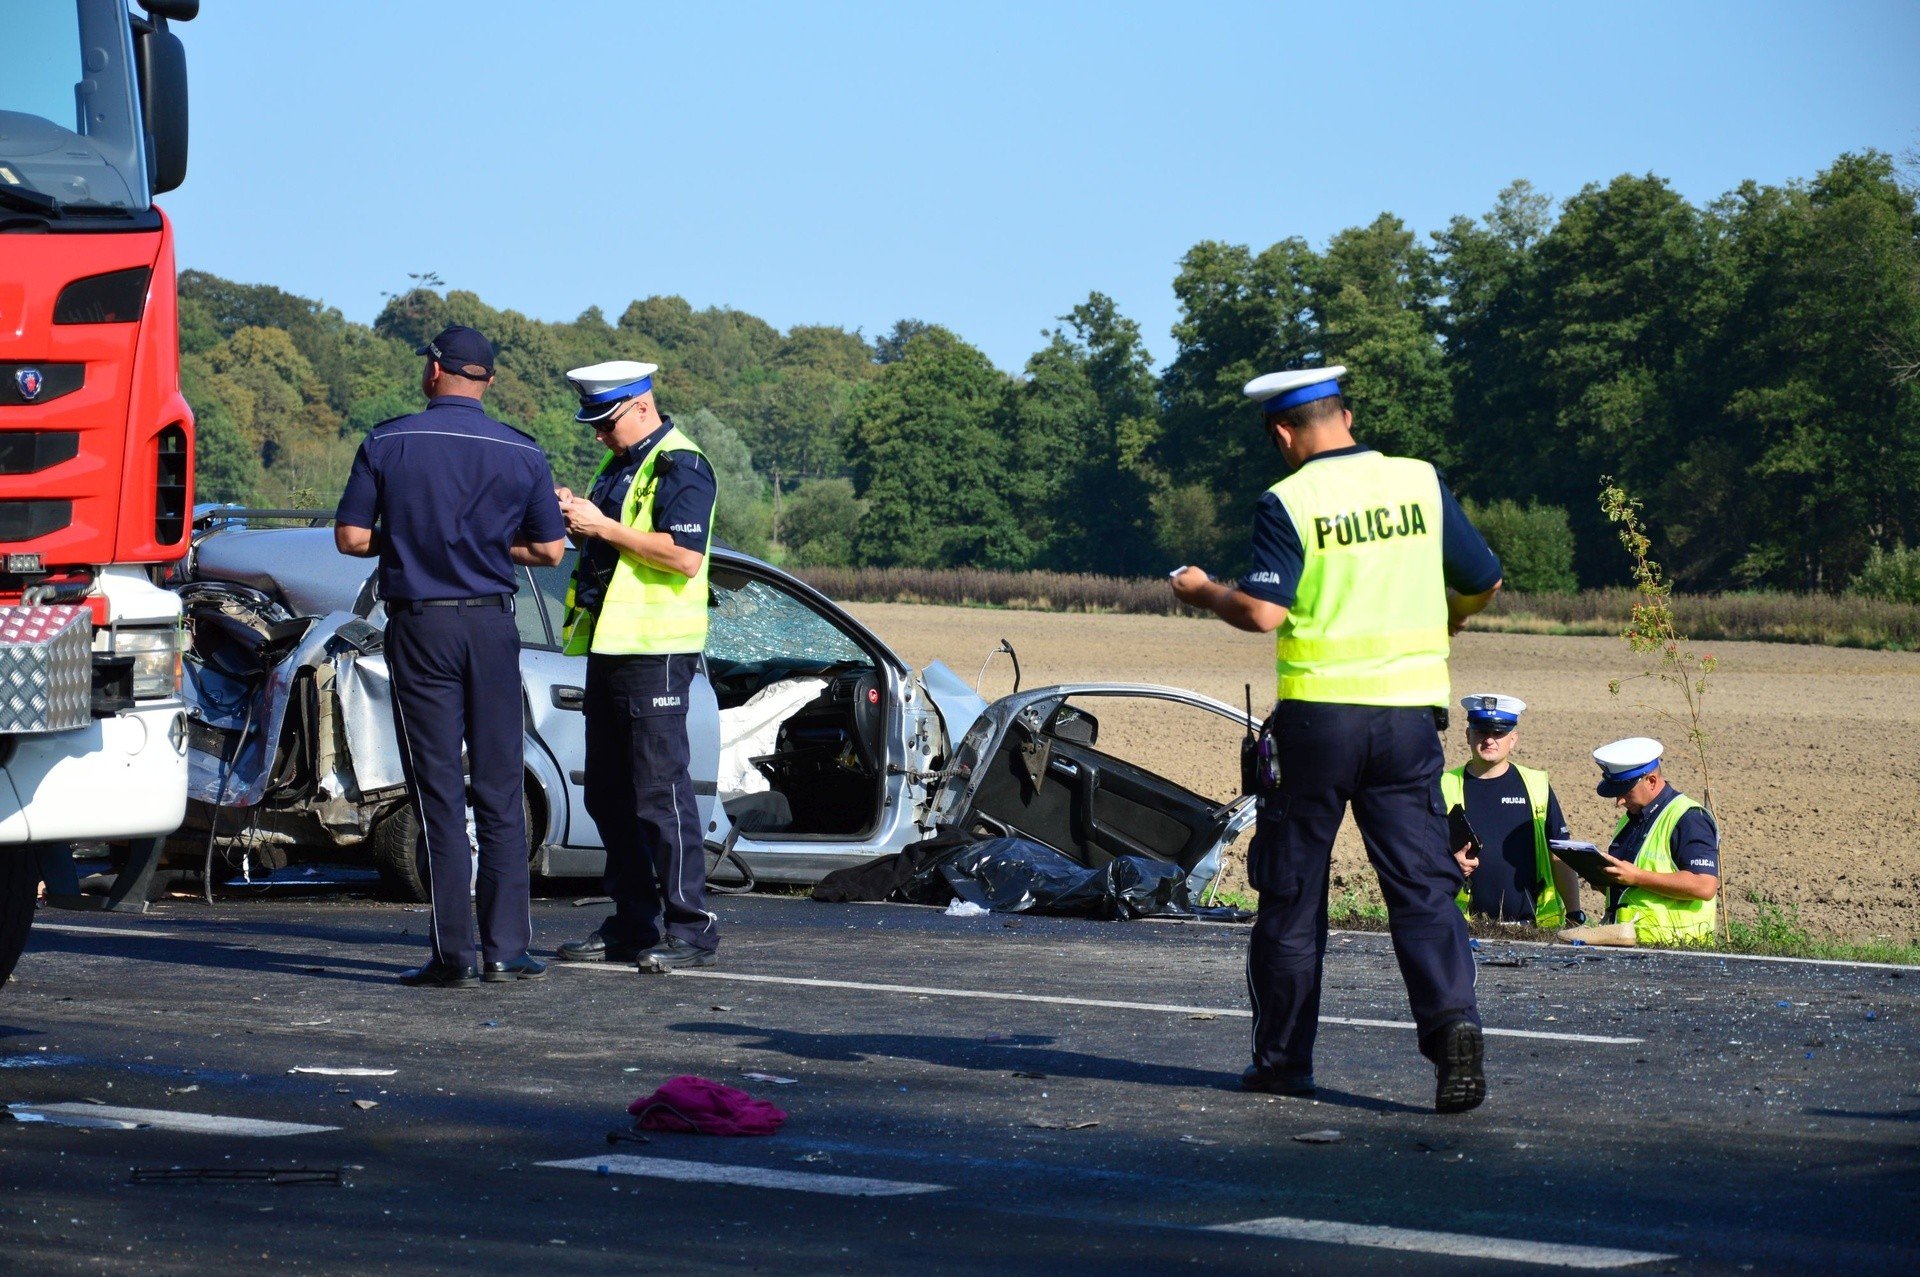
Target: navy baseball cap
458	348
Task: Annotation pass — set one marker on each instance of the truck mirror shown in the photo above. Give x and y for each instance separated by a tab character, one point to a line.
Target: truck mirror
178	10
162	63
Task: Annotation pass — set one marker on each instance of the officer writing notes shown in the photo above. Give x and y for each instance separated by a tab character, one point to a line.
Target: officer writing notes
1353	554
1513	812
1663	866
638	611
449	500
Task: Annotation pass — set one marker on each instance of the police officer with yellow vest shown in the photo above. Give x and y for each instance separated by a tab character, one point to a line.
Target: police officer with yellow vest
637	609
1664	861
1513	812
1353	554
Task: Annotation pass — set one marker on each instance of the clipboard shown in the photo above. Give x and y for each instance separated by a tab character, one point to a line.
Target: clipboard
1584	859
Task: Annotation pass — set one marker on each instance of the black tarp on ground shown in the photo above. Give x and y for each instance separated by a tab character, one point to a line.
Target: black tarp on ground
1018	875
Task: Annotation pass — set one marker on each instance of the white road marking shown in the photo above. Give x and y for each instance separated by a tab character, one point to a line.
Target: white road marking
167	1120
1622	950
998	996
1465	1245
103	931
746	1176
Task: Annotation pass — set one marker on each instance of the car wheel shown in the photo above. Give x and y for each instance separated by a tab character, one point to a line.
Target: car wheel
19	876
394	845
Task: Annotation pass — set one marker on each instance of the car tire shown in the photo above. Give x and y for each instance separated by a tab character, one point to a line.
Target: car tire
394	845
19	880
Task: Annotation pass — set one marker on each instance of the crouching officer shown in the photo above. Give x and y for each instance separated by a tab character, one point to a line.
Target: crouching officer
638	610
1353	554
450	499
1664	861
1513	811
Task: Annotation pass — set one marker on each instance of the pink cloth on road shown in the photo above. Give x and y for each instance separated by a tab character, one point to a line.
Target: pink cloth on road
705	1107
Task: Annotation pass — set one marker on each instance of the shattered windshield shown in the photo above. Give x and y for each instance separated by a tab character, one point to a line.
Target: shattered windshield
70	127
753	623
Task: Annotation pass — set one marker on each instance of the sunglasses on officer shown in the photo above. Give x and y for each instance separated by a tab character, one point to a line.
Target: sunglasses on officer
606	423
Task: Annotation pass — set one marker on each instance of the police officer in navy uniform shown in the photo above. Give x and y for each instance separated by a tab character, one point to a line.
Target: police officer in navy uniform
1663	866
450	500
638	610
1353	557
1513	811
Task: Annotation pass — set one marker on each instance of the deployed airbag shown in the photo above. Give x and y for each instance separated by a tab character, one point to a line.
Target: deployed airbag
751	729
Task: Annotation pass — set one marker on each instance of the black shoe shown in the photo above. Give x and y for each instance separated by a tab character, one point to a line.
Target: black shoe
524	967
1258	1078
438	975
597	948
672	954
1463	1083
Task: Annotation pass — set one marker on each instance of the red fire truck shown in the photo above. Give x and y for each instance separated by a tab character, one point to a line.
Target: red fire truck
96	443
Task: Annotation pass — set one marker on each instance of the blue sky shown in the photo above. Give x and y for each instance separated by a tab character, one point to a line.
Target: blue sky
982	166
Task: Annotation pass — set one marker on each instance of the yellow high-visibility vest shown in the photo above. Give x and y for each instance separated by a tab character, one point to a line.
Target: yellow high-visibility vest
1368	625
645	610
1659	919
1549	911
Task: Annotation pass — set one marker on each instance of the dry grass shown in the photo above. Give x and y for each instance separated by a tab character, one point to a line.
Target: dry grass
1828	619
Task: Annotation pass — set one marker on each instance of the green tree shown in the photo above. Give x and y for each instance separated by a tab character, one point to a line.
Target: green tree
928	462
1534	544
822	523
1241	315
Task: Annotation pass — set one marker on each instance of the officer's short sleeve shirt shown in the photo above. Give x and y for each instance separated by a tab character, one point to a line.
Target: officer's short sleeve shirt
450	489
1279	558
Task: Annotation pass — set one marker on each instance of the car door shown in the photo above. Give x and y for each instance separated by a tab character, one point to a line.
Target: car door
1036	766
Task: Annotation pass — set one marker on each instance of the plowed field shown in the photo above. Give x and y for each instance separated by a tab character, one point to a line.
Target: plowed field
1816	781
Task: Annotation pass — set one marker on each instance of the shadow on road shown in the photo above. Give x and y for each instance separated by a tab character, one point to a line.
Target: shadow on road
1026	1053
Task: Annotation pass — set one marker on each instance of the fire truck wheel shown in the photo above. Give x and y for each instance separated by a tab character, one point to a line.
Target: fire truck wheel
19	877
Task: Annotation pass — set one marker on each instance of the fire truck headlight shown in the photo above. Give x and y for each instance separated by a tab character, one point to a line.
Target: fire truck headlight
156	661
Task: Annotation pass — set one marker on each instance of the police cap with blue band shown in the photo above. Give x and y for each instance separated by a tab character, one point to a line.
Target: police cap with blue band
1491	710
1279	391
604	387
1624	762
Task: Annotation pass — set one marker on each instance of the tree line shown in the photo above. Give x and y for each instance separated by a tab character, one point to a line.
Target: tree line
1750	368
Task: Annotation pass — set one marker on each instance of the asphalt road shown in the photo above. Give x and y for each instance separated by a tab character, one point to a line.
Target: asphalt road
1739	1116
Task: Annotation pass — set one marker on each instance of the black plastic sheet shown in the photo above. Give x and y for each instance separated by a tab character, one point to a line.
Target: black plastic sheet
1015	875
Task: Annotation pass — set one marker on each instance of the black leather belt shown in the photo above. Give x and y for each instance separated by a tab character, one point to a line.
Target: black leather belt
502	601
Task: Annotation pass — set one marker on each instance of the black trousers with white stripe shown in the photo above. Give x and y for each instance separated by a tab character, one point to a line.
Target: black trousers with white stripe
456	681
1386	762
640	795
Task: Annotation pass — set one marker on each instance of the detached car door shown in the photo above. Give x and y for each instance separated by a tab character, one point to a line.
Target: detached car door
1103	770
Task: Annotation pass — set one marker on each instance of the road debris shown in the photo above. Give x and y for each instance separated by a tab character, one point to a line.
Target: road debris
364	1105
341	1070
1319	1137
774	1078
702	1106
1055	1124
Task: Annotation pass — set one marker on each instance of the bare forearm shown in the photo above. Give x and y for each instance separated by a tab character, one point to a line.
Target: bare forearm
361	543
1680	884
1241	611
1462	606
656	548
537	554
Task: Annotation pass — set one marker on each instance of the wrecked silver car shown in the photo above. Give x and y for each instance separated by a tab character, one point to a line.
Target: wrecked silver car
815	746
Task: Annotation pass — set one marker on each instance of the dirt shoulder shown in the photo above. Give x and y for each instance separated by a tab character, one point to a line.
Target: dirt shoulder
1815	773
